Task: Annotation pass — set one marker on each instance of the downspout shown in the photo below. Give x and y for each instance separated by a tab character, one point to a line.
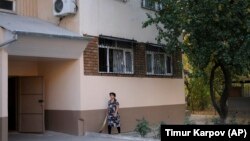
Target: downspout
10	41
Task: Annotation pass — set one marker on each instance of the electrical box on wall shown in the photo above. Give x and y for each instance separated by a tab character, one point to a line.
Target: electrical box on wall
64	7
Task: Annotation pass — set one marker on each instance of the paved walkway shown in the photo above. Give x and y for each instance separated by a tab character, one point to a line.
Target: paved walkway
54	136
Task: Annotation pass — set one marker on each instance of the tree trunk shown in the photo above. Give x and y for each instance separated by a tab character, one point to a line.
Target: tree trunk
221	107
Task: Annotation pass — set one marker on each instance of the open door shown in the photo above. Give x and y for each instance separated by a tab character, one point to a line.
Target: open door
31	105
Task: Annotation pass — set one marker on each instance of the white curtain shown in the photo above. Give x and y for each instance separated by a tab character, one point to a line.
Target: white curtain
159	64
118	63
128	57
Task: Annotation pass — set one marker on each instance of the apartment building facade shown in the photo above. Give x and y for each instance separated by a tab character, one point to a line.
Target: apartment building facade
57	69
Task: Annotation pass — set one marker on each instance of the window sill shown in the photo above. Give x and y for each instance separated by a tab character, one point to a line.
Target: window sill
8	11
116	73
149	74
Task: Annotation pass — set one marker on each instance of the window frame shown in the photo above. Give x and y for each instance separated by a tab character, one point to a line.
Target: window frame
124	50
152	53
13	11
157	6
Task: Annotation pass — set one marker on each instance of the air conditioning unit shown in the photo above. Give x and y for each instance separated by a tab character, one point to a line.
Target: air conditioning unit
64	7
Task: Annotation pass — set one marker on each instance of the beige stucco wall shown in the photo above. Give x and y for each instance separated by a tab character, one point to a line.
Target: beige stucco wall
22	67
61	79
45	12
116	18
43	9
3	82
62	84
131	92
27	7
95	17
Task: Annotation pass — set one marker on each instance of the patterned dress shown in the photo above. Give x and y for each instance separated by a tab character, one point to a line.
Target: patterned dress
113	121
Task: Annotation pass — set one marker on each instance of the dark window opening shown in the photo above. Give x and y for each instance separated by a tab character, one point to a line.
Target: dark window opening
7	5
103	59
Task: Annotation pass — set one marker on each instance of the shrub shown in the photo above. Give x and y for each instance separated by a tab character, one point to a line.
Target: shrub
142	127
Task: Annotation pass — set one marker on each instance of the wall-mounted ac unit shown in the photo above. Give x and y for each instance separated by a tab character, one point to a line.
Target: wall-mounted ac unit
64	7
7	6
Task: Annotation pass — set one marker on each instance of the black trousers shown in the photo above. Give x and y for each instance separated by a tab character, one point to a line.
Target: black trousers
110	128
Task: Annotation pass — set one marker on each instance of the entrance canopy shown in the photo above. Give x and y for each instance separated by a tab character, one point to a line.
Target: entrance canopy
25	36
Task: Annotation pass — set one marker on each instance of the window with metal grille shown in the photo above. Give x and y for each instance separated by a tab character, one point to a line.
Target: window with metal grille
159	63
115	56
7	5
151	5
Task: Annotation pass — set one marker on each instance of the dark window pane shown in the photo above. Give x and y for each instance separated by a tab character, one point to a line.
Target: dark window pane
150	4
111	68
122	44
106	42
6	5
169	66
103	60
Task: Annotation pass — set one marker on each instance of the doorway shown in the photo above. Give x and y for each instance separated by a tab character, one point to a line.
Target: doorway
26	104
12	103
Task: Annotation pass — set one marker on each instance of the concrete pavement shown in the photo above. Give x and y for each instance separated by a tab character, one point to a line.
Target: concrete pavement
54	136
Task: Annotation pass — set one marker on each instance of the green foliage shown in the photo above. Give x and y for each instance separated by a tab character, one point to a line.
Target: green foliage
213	31
197	89
199	98
214	36
142	127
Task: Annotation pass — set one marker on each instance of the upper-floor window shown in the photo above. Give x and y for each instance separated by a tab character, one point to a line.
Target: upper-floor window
7	5
115	56
151	4
158	62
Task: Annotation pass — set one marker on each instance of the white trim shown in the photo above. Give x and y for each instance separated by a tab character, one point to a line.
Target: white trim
124	59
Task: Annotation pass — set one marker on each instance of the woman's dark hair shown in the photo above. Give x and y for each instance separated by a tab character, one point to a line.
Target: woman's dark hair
112	93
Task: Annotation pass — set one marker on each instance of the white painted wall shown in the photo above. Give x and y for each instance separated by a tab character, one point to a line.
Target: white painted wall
3	83
131	92
115	18
62	84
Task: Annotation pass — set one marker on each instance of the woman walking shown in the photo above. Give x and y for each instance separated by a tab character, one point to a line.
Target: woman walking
113	115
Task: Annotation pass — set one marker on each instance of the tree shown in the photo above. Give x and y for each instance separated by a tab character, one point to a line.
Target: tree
214	33
196	88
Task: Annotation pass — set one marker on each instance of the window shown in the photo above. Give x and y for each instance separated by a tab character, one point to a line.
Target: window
115	56
150	4
158	63
7	5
